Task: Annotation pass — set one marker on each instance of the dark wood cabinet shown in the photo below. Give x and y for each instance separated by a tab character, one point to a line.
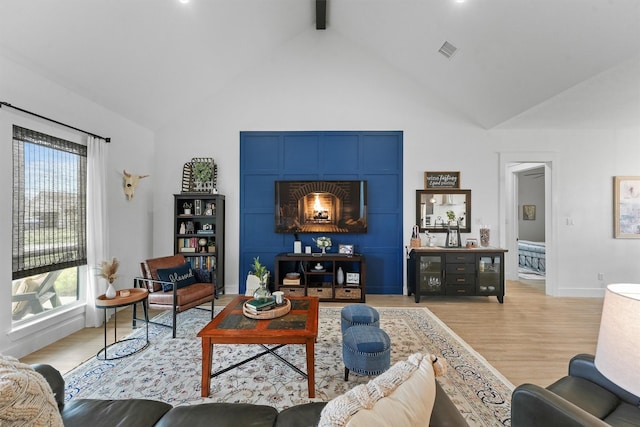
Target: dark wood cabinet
330	277
456	272
199	232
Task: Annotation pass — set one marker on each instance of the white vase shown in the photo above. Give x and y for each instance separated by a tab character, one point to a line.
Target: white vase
111	292
340	276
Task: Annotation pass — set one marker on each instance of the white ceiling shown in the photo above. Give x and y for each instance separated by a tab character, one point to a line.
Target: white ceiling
149	59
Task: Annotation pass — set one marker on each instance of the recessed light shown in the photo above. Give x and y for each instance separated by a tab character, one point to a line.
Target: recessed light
184	1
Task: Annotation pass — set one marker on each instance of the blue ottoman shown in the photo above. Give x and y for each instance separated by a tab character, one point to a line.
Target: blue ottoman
358	314
366	350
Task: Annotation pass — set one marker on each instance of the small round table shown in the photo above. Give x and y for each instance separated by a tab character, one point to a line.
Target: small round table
135	296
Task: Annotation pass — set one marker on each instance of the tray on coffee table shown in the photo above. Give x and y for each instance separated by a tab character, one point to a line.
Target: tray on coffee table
277	311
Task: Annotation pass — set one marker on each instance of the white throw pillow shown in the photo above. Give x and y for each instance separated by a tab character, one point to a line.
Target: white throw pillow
26	398
403	396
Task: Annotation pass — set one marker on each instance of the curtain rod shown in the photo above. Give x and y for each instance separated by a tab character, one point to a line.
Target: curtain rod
6	104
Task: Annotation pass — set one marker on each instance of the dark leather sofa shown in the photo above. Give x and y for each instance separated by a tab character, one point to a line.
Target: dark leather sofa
142	412
582	398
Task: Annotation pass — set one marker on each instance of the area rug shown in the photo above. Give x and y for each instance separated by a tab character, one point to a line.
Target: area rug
170	369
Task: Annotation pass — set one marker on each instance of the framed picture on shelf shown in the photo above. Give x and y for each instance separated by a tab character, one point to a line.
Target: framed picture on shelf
345	249
353	278
626	207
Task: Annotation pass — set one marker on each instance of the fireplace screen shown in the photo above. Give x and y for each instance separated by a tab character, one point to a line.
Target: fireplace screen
321	206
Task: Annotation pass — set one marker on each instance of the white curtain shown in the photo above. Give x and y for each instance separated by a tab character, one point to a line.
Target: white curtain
97	230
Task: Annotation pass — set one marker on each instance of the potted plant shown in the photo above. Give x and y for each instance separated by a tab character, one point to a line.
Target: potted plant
108	270
187	208
260	270
323	243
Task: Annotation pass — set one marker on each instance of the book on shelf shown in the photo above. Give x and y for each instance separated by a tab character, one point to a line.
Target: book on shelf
205	262
187	249
286	281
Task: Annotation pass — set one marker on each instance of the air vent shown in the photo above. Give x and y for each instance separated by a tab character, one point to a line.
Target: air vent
447	50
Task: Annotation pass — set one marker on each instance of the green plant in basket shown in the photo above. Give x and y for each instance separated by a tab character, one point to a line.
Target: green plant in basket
202	172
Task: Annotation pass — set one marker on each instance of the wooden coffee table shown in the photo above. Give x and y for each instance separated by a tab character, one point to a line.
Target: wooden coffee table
231	326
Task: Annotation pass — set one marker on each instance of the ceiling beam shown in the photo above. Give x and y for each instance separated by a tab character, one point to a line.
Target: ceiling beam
321	14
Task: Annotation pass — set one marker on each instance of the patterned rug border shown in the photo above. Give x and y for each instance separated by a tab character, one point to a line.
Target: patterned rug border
480	392
470	349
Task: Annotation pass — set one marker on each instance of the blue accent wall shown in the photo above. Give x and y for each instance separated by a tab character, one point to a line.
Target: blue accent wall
266	157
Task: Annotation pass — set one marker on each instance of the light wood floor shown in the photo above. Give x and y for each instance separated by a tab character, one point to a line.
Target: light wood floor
529	338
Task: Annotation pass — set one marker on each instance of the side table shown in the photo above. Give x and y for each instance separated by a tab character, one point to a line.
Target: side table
135	296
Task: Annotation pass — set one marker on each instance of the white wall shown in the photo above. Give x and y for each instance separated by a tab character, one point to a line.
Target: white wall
129	222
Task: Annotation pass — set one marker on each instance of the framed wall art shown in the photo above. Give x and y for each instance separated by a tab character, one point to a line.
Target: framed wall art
441	180
626	207
529	212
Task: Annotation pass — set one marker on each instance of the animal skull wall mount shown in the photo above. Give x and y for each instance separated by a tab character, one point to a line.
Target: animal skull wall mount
130	183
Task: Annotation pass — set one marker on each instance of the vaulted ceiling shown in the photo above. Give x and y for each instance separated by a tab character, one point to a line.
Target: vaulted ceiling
145	59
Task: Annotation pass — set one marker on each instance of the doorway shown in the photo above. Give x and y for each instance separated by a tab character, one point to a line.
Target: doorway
530	207
513	166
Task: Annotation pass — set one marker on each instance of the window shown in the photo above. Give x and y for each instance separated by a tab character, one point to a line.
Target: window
49	221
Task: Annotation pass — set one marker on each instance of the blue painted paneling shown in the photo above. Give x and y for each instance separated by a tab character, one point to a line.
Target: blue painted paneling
340	153
301	153
260	186
263	153
372	156
381	153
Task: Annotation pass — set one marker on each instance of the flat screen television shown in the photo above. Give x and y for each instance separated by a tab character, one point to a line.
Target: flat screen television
321	206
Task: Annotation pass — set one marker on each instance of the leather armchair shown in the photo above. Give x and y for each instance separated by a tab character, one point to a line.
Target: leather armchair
177	299
583	398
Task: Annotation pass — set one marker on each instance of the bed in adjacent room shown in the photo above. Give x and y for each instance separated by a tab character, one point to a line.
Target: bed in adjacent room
531	256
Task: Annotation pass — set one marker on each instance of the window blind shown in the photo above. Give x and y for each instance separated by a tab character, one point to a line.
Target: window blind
49	203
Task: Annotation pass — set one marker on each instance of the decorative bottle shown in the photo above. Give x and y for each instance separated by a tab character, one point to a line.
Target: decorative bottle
340	276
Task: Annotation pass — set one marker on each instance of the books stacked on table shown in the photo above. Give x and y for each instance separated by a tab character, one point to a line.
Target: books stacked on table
255	306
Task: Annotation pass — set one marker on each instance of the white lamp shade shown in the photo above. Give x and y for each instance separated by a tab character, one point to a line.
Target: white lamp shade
618	348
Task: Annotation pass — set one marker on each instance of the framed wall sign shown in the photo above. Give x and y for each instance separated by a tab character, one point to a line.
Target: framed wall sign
441	180
626	207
